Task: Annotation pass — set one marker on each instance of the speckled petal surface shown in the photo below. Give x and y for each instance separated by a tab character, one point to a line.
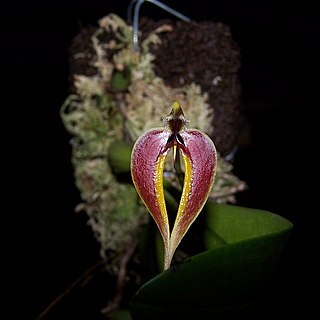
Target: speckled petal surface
147	162
200	159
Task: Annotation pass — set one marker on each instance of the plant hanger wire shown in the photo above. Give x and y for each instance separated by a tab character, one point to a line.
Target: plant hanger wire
138	4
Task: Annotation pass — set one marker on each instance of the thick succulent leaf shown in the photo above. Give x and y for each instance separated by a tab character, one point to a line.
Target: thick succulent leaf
147	163
119	155
200	158
225	281
251	223
121	314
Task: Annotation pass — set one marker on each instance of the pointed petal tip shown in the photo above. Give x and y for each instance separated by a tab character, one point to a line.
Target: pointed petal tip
147	163
200	159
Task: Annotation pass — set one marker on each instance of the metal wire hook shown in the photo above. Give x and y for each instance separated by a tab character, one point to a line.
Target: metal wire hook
136	17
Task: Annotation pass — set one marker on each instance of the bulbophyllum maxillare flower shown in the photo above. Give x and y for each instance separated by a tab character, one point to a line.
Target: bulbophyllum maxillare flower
147	164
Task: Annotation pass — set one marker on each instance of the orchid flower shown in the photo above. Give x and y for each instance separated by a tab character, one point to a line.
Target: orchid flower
147	164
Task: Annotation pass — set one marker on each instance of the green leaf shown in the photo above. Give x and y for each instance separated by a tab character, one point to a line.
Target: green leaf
229	223
245	247
121	314
119	157
120	80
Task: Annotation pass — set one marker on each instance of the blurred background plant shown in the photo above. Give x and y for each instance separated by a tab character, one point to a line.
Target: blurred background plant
118	93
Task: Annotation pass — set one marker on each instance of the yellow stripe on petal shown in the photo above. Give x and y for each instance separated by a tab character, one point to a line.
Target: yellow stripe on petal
186	191
162	207
147	164
199	156
159	187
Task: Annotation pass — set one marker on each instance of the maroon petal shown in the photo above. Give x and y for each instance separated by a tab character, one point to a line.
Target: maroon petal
147	163
200	159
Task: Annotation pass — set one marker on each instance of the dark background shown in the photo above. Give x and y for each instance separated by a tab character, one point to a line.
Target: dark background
49	245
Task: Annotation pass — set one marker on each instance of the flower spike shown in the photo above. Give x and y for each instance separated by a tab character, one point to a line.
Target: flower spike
147	163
